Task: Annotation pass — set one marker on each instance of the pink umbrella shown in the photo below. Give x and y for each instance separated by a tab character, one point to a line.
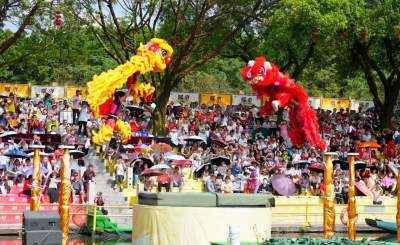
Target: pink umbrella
151	172
182	163
283	185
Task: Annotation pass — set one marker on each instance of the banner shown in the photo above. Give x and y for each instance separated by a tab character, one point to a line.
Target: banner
215	99
331	103
184	98
21	90
361	104
314	102
55	91
70	91
245	100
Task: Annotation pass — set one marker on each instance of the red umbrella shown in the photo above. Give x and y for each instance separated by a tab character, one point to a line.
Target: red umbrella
151	172
182	163
369	144
283	185
317	168
161	147
219	142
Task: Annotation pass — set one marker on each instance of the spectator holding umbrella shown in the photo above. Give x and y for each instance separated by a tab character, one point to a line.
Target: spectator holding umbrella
164	181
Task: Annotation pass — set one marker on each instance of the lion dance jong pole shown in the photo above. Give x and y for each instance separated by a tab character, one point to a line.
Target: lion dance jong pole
65	193
104	91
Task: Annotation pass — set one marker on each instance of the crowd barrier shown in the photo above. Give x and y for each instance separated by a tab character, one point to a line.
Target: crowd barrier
66	92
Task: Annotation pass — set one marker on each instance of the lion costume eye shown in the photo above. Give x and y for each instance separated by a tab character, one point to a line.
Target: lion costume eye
164	52
261	70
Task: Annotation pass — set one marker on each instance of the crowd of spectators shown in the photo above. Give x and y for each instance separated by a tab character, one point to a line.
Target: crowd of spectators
252	148
44	121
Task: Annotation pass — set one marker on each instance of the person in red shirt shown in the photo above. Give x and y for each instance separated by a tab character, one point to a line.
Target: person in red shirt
164	181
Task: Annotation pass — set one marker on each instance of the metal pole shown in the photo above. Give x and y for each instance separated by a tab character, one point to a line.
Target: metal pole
65	192
329	198
35	191
352	209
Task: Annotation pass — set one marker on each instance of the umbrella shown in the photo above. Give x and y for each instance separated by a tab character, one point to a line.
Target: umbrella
128	146
219	142
317	168
194	139
145	160
16	153
142	148
161	147
151	172
369	144
135	111
7	133
3	96
283	185
174	157
42	154
302	163
345	165
161	166
29	171
218	160
182	163
77	154
200	170
363	189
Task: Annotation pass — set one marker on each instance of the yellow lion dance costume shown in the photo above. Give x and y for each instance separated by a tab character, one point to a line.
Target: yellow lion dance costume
152	57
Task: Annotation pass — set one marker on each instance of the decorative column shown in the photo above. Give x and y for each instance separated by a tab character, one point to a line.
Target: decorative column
35	190
352	209
65	192
329	198
398	204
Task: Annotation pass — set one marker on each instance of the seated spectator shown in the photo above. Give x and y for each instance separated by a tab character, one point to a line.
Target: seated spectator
210	184
77	188
164	181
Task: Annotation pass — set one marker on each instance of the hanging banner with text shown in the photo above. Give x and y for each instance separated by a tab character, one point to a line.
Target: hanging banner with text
184	98
56	92
21	90
362	105
331	103
245	100
215	99
314	102
70	91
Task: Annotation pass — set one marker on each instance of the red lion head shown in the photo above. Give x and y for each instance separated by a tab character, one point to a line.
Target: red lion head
260	72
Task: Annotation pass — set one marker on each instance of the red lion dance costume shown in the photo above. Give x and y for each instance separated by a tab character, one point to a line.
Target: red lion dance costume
279	91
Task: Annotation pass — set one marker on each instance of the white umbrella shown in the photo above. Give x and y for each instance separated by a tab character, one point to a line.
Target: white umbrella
194	138
42	154
7	133
128	146
174	157
161	166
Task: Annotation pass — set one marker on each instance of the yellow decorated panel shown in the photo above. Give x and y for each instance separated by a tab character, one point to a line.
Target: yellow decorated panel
215	99
21	90
70	91
331	103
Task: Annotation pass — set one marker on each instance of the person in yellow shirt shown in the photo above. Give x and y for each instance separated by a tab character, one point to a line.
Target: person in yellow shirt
14	121
10	107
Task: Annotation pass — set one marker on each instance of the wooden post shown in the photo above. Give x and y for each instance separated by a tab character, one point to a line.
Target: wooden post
65	192
35	190
352	209
329	198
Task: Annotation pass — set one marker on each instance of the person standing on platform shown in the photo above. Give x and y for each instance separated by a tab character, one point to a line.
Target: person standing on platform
76	106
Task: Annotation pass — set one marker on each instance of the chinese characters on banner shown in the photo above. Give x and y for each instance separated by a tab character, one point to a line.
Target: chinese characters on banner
56	92
20	90
331	103
215	99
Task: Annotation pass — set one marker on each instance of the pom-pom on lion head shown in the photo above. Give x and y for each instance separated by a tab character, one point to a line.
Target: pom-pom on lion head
260	72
